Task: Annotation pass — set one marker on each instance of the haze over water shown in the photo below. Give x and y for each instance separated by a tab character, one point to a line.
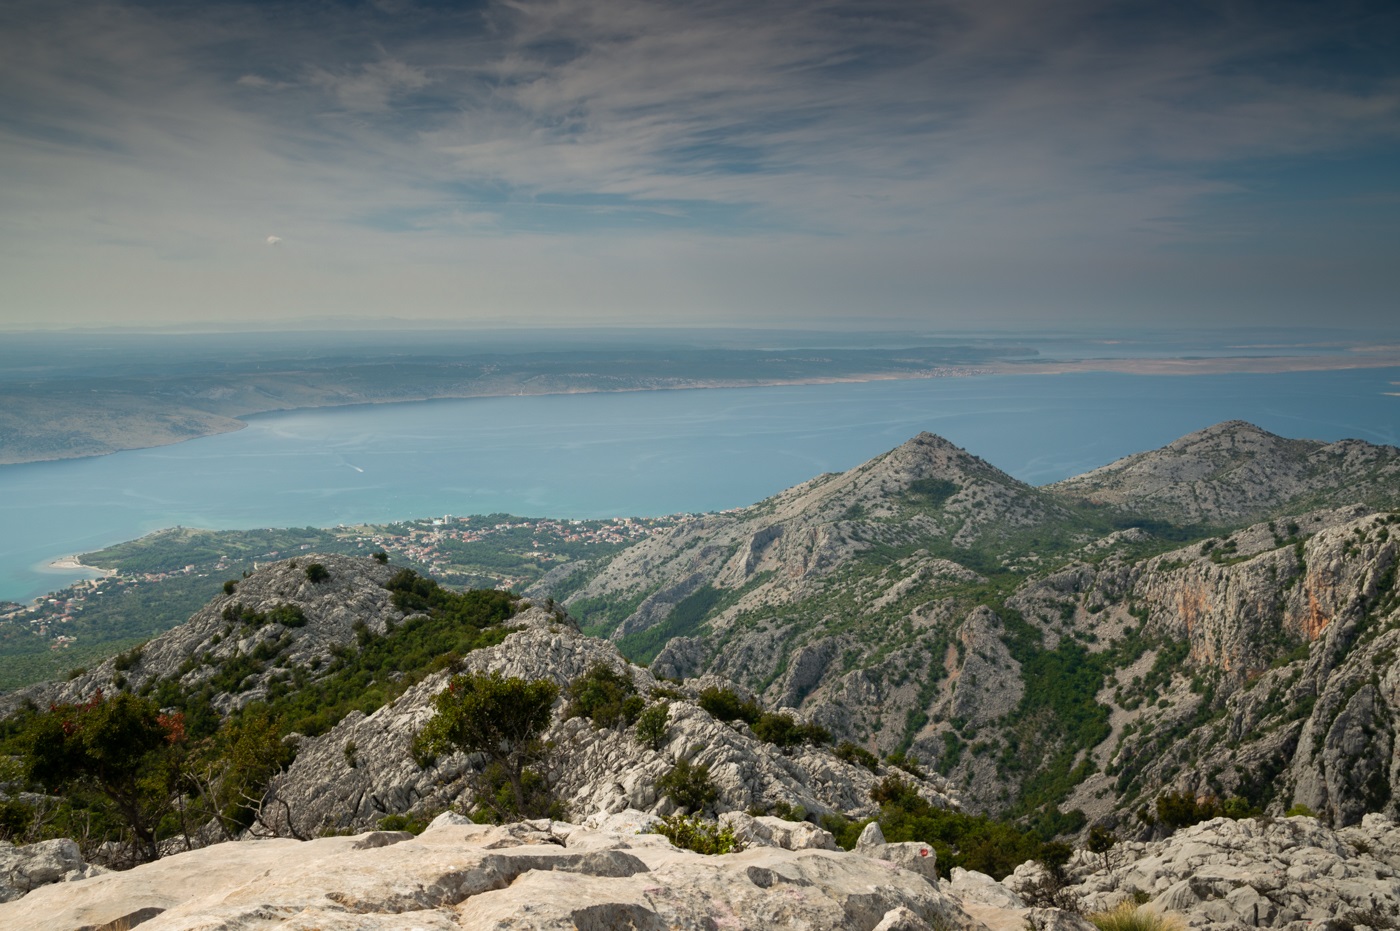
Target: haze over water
643	453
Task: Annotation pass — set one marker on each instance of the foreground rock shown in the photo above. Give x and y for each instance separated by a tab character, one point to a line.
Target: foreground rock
23	869
535	875
1290	873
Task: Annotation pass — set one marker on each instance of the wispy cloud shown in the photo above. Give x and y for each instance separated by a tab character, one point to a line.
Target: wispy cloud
990	152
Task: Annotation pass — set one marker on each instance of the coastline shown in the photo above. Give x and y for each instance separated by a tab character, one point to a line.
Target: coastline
74	564
1360	358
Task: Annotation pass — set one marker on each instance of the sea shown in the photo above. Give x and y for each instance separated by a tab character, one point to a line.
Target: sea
643	453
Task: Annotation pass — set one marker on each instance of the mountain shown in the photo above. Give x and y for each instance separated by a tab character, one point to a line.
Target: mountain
330	646
1055	656
1081	646
1234	473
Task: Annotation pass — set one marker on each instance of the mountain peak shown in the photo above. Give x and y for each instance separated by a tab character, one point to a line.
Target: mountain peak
1235	472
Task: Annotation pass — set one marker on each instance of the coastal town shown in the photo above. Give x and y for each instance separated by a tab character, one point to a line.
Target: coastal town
151	584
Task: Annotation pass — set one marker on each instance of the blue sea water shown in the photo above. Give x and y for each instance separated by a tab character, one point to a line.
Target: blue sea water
644	453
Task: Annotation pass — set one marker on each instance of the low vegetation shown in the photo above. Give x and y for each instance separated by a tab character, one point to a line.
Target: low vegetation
604	696
1129	917
688	786
502	719
195	766
691	832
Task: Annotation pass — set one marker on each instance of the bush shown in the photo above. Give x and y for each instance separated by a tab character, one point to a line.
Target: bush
1300	810
381	557
653	725
317	572
230	586
725	705
783	731
503	719
907	763
689	786
124	661
857	756
604	696
407	823
1182	809
697	834
973	842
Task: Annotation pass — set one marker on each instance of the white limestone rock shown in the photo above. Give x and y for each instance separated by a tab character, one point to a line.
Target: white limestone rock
469	876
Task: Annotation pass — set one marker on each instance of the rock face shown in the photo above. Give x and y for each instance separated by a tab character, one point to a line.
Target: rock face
1293	874
596	769
459	875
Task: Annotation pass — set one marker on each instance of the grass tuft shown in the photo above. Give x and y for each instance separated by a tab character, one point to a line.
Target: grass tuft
1129	917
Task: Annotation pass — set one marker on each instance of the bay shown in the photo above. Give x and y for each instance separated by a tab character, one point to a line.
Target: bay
639	454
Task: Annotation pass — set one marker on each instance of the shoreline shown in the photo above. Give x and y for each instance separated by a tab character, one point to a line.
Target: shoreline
74	564
1381	357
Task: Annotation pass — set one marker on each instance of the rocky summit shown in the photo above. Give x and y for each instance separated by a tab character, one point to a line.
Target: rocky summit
1182	665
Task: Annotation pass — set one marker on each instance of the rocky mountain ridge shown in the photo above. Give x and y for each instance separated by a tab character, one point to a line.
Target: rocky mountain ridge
1234	473
925	602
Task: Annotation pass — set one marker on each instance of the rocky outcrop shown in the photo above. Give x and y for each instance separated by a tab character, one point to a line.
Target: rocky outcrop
594	769
23	869
459	875
1291	873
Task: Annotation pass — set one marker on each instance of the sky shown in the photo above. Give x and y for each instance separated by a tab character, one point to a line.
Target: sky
943	163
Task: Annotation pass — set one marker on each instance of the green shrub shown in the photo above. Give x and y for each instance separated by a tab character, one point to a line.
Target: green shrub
782	730
407	823
1300	810
288	615
689	786
381	557
698	834
501	718
1182	809
857	756
974	842
604	696
653	725
907	763
230	586
317	572
788	812
725	705
125	661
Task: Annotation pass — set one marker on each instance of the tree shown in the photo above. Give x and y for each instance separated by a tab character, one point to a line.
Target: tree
653	725
124	748
689	786
502	719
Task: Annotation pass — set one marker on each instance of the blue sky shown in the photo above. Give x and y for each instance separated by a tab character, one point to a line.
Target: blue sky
947	163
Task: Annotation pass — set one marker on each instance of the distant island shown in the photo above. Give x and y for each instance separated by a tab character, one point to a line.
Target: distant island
66	396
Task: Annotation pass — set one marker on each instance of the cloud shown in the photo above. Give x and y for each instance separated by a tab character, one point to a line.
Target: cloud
274	240
371	87
967	152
